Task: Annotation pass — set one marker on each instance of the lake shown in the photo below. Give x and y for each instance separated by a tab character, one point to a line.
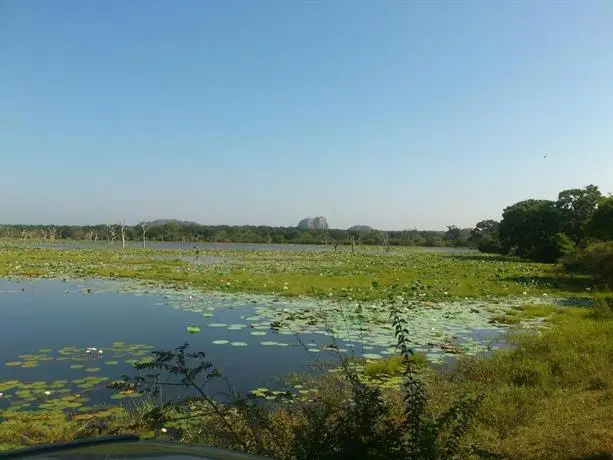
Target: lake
75	336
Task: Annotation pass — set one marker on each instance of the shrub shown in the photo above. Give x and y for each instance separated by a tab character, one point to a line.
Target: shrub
595	260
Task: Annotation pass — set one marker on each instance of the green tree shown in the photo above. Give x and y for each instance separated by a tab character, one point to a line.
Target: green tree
486	236
576	208
601	222
528	229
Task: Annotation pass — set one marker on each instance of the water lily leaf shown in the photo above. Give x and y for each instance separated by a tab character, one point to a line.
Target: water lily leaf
193	329
220	342
239	344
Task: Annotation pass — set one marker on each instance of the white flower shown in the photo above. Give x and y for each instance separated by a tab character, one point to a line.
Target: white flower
164	430
47	392
544	293
525	293
1	394
100	351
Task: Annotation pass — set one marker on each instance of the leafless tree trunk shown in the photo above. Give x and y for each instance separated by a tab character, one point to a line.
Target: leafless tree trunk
144	227
51	233
353	243
122	227
112	233
386	241
90	235
25	234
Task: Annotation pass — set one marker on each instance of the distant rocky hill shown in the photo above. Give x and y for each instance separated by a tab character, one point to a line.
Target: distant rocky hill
314	223
172	221
360	228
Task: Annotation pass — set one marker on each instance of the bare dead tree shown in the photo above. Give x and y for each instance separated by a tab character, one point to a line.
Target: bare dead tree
25	234
122	228
386	241
90	235
51	233
354	241
144	226
112	233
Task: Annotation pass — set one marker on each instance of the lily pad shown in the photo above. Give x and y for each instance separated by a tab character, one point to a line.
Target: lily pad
193	329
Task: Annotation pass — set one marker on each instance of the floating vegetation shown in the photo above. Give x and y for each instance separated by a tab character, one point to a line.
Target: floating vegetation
193	329
64	394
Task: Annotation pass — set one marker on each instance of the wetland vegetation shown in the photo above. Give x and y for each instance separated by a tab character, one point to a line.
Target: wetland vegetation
374	353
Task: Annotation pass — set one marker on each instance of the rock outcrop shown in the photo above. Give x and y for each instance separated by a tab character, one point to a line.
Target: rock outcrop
314	223
360	228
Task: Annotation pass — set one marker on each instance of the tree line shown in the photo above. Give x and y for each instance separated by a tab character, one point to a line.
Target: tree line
548	230
177	231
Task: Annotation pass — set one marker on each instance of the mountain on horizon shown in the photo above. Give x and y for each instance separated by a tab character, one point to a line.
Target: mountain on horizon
172	221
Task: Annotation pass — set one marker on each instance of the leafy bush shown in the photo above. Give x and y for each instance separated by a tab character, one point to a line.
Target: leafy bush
595	260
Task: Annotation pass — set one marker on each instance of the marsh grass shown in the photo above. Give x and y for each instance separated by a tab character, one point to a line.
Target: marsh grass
366	276
550	395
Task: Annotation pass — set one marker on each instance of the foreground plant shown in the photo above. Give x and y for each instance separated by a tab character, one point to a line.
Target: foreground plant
344	418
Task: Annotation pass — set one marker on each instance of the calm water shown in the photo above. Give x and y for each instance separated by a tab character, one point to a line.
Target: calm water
51	315
47	326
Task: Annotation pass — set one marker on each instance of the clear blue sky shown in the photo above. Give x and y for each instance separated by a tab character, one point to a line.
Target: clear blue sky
391	114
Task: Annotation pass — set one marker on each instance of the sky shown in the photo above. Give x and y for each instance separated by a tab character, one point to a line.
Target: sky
386	113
